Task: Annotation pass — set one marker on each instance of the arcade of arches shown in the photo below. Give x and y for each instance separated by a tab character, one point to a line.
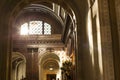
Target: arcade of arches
60	40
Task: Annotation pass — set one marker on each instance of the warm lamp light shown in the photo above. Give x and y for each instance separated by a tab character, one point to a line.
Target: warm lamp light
51	69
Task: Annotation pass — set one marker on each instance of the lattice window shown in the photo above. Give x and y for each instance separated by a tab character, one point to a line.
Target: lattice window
35	27
47	28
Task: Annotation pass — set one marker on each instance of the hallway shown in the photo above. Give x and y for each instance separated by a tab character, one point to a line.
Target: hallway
60	40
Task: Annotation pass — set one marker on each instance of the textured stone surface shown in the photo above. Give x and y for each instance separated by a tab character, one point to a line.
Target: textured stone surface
117	5
106	41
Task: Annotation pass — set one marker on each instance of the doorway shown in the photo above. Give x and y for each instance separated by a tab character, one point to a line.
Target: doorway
51	76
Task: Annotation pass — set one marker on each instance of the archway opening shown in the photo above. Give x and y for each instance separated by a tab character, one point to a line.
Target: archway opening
36	37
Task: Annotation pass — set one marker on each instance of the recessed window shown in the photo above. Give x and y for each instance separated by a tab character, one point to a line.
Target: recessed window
36	28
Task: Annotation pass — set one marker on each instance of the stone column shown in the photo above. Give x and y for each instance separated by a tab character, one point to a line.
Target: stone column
5	49
106	40
114	6
32	66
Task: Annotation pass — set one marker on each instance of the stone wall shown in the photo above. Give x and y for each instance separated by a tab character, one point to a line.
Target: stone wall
117	57
117	5
106	41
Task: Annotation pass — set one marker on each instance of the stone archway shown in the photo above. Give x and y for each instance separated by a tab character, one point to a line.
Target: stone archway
72	20
18	70
49	64
15	10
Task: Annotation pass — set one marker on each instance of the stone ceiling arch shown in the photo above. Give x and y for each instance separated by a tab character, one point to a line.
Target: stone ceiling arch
48	56
17	59
69	6
37	12
16	6
50	63
16	55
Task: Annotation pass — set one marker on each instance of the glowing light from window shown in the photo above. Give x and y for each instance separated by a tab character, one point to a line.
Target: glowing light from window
35	28
24	29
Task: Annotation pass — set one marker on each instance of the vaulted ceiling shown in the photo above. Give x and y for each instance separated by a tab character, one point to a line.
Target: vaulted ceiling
53	14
